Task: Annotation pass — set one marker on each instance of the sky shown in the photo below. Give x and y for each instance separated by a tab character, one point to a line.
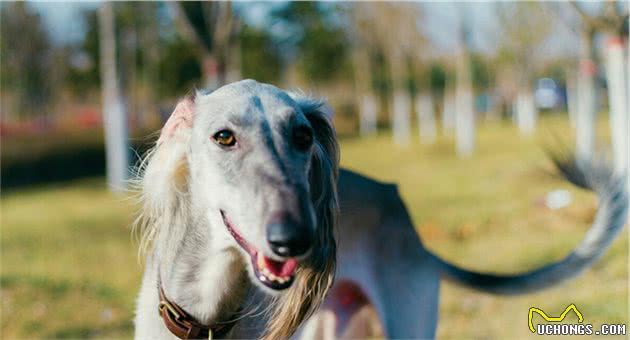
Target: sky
440	23
63	19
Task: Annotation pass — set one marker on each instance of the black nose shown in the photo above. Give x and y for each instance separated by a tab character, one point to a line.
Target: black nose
288	238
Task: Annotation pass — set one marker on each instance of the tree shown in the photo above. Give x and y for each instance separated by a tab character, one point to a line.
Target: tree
395	32
613	22
211	27
178	67
464	96
260	59
524	28
361	31
25	59
426	118
313	41
114	111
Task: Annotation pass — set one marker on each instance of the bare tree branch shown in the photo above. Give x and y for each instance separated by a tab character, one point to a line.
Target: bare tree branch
610	21
185	28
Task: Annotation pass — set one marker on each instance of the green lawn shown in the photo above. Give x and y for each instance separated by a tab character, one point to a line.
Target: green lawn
69	266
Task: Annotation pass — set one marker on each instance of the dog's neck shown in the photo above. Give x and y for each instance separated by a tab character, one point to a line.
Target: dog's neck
210	284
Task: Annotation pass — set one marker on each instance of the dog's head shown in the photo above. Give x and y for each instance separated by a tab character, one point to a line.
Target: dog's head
259	165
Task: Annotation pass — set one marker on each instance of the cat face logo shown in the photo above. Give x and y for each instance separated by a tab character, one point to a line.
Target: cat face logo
548	318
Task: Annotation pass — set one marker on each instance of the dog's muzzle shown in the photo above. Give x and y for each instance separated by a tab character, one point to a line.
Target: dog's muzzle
289	238
275	274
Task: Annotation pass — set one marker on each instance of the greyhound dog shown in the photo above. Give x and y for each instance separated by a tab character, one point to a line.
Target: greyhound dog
247	219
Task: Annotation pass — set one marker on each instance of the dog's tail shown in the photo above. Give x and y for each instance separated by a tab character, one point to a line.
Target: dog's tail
611	216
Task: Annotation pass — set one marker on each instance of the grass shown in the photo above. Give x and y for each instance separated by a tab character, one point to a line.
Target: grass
69	267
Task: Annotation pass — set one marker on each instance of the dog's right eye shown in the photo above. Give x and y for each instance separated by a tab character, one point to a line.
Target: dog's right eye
225	138
303	137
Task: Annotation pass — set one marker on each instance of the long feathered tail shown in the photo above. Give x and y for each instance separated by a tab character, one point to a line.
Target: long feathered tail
609	221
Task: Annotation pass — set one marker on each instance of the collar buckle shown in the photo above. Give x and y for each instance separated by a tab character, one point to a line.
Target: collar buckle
169	308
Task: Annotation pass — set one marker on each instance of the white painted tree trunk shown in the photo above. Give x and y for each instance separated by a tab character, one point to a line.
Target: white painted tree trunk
366	101
448	114
618	113
464	98
628	121
464	121
526	112
368	113
426	119
587	100
572	99
401	111
587	107
114	115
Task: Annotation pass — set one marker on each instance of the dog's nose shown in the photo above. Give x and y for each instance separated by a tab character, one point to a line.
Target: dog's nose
288	238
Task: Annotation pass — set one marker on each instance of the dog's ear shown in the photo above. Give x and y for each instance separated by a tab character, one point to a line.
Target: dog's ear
323	173
315	277
324	167
180	122
163	174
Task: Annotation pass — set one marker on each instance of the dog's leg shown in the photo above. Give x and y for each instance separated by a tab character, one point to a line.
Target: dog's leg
404	285
407	299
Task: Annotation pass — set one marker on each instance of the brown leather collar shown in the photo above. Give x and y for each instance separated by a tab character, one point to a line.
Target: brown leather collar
184	326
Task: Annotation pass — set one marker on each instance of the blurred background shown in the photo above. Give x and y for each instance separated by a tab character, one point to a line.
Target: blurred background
462	97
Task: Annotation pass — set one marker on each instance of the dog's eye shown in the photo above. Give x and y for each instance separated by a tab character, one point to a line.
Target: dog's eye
225	138
303	137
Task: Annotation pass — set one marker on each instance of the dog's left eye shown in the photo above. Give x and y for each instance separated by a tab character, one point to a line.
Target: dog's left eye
225	138
303	137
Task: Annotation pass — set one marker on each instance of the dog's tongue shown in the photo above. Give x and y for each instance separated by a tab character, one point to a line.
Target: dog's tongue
281	269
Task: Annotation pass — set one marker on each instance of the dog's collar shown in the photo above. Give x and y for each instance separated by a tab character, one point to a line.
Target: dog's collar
184	325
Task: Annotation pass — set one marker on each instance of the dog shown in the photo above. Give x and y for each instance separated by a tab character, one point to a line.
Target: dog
250	230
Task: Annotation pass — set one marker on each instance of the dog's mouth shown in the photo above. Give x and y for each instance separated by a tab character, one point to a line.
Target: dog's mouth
274	274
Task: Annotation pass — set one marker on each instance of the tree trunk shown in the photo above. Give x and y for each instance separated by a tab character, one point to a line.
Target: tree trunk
464	97
401	103
615	74
401	108
114	115
368	113
367	103
448	113
210	69
628	119
526	112
464	122
464	108
234	62
149	43
426	119
572	98
587	105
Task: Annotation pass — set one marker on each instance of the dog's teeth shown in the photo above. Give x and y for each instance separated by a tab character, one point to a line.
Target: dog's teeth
261	261
268	274
265	274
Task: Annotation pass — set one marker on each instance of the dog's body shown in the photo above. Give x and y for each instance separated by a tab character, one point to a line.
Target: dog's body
382	269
